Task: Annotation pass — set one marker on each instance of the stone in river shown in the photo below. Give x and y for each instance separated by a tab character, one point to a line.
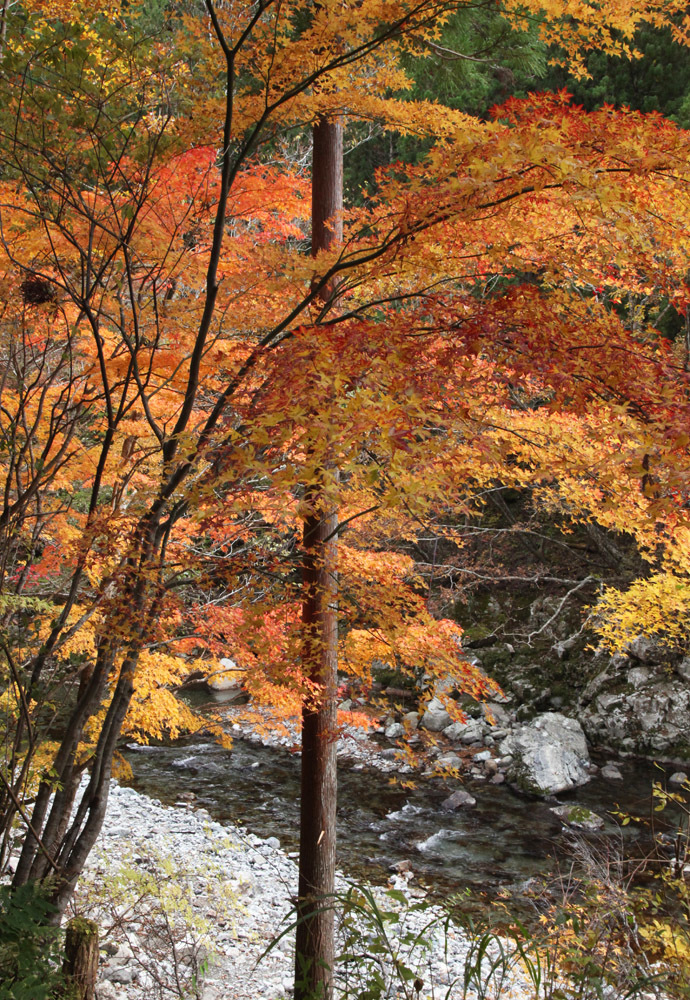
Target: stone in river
549	755
579	817
458	799
677	778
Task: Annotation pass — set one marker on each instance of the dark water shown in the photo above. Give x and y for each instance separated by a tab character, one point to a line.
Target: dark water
501	842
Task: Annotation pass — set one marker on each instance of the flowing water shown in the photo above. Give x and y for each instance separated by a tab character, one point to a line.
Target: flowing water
503	841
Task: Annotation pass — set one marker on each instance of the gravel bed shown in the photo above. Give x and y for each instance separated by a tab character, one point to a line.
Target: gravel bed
237	888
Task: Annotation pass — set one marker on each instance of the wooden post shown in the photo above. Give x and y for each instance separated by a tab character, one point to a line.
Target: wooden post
80	967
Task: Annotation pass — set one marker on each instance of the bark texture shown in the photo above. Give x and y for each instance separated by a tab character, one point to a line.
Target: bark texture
80	967
314	946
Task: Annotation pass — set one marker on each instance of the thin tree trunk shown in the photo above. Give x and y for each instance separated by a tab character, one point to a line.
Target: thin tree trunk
314	946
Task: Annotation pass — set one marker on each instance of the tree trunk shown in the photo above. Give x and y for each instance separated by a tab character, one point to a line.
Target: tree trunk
314	946
80	967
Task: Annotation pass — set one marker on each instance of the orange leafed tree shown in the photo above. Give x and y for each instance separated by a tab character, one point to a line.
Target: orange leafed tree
178	378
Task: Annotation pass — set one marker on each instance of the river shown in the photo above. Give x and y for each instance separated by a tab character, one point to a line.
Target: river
502	842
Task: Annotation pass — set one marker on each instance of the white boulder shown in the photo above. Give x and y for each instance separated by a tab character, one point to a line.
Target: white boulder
549	755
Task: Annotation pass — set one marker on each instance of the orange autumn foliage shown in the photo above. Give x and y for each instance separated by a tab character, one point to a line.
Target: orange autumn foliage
175	375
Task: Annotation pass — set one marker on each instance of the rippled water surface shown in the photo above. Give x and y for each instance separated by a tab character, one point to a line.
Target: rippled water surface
503	841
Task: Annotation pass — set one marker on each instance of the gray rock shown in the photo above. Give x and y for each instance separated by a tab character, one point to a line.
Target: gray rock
562	649
435	718
472	739
449	760
394	731
106	991
683	669
458	799
637	676
411	720
646	649
611	773
677	778
650	719
444	685
401	866
482	756
455	730
498	778
579	817
435	722
119	974
549	755
496	715
123	956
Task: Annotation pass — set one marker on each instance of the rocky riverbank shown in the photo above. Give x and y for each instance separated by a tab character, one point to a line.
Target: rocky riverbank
544	757
188	904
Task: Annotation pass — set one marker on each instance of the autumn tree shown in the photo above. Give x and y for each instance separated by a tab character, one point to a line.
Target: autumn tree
181	385
106	212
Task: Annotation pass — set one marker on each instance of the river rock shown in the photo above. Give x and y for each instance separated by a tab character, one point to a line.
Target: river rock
611	773
449	760
468	732
496	715
579	818
106	991
549	755
435	718
394	731
244	895
225	680
120	970
411	720
458	799
678	778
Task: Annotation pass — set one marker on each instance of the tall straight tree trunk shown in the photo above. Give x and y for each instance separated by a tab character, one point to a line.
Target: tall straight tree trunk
314	946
